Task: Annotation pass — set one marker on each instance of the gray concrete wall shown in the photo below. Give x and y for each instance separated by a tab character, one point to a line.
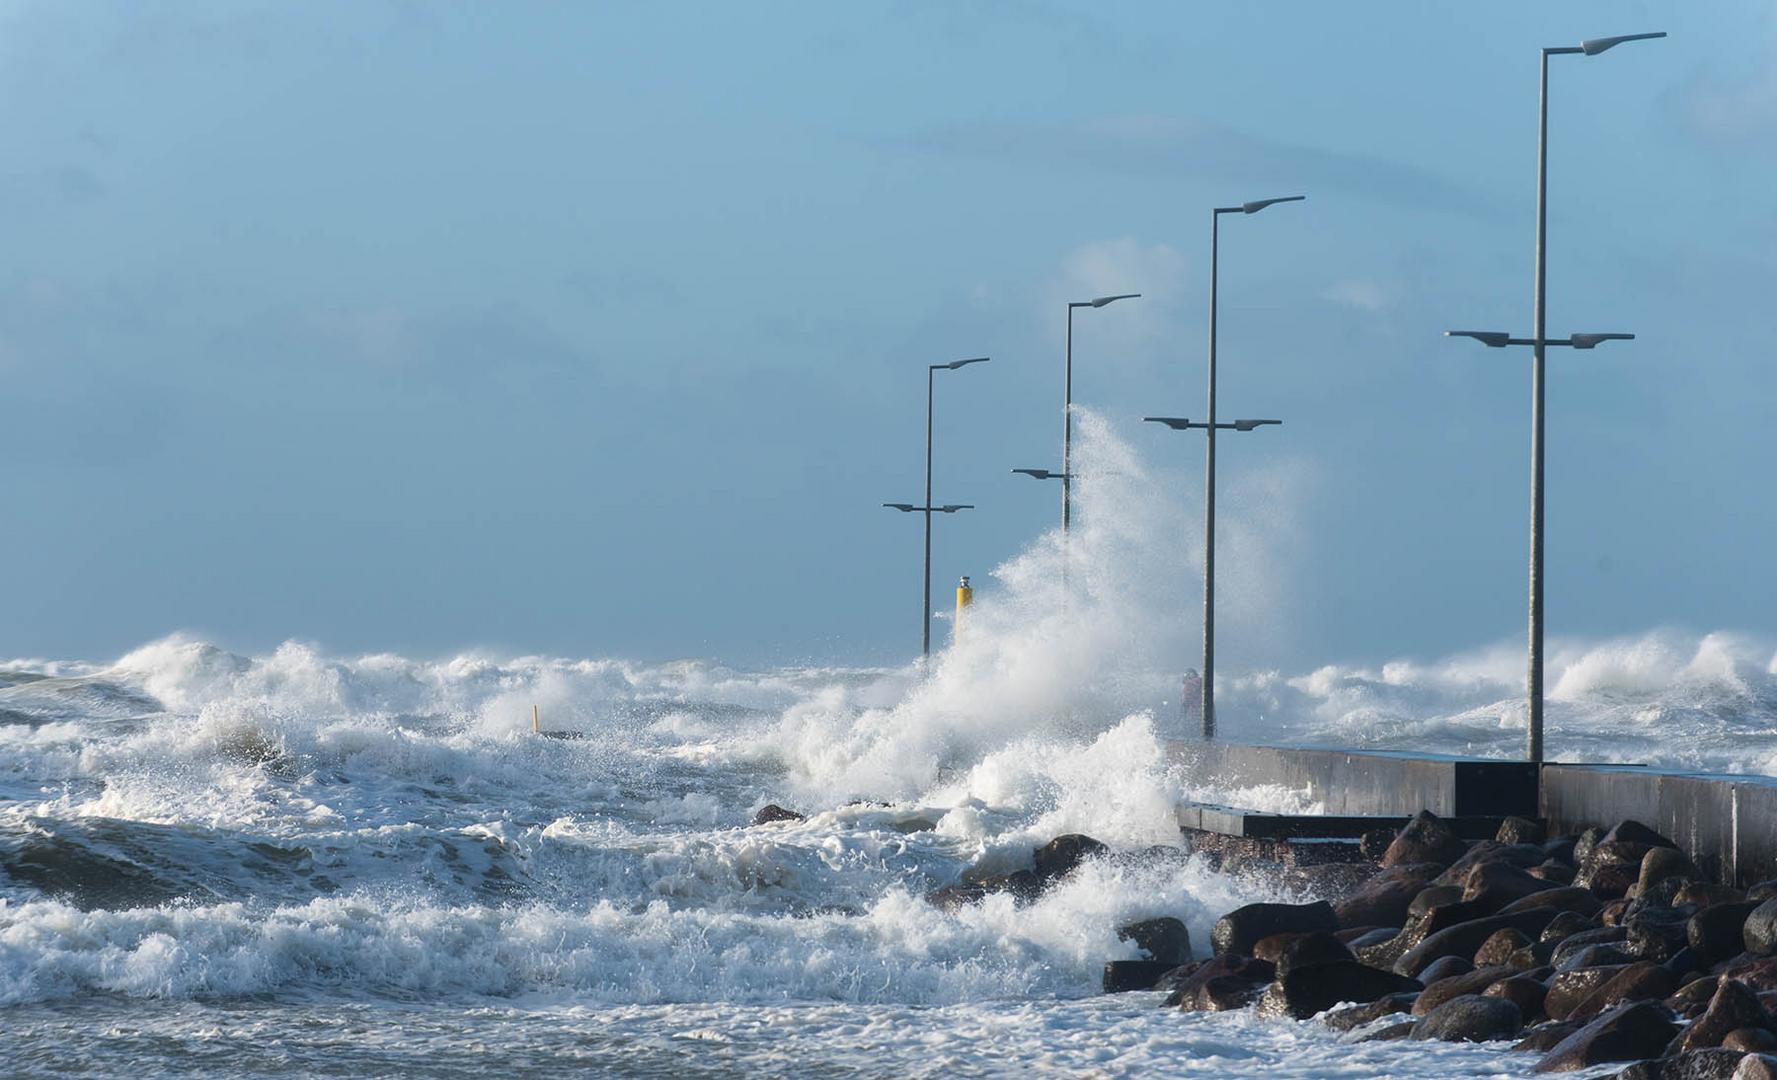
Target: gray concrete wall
1371	783
1727	824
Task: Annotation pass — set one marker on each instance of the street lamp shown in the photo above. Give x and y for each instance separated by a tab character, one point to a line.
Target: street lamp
1538	341
1499	339
1210	427
925	594
1066	475
1179	423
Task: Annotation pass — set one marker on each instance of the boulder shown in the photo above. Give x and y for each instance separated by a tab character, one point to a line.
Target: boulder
1637	982
1425	839
1058	857
1471	1018
1693	997
1121	976
1445	967
1373	938
1573	898
1555	873
1759	973
1595	956
1164	939
1751	1040
1300	949
1734	1005
1354	1016
1177	977
1358	1015
1392	1033
1241	928
1546	1036
1569	988
1764	890
1442	990
1434	896
1573	943
1227	982
1521	990
1565	925
1583	845
771	812
1696	1065
1626	1033
1498	884
1383	899
1609	879
1656	934
1535	955
1634	832
1685	963
1517	830
1756	1067
1499	947
1022	884
1560	849
1309	989
1464	938
1759	932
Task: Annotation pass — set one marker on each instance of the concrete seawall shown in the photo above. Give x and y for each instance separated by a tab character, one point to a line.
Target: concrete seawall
1727	824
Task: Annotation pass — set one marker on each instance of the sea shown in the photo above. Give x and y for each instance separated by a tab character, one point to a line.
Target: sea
304	862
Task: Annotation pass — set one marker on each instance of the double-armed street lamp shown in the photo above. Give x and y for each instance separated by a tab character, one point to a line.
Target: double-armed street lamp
925	592
1209	428
1499	339
1179	423
1538	341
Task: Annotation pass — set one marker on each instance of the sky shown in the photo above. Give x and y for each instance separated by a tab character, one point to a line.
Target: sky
601	329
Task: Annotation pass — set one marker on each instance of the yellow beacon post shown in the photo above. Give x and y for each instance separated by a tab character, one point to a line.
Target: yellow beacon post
964	597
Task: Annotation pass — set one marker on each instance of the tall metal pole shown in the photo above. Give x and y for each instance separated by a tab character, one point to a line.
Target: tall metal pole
1534	743
1209	502
1067	427
925	592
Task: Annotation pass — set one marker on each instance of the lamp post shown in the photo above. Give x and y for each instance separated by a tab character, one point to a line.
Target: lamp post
1499	339
925	592
1209	428
1537	341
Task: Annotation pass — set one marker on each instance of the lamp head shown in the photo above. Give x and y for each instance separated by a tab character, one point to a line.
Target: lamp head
1103	300
1176	423
1255	207
905	508
1038	474
1248	425
954	364
1590	341
1493	339
1595	46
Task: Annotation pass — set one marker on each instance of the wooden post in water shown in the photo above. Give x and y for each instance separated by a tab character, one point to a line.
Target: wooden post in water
536	727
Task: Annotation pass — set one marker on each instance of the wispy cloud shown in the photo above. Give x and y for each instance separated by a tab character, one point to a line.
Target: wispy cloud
1734	111
1361	294
1171	146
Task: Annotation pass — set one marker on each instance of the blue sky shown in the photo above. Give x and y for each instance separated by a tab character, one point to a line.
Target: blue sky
600	328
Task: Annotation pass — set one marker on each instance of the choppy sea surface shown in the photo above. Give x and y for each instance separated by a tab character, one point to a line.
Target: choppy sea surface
303	863
306	864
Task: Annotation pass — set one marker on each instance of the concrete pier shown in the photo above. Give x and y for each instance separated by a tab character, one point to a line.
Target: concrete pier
1727	824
